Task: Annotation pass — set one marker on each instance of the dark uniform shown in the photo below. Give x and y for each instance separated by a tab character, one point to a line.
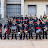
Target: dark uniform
30	30
6	26
0	30
10	23
38	26
44	32
21	19
47	24
25	32
35	22
21	30
13	18
29	19
17	20
26	20
14	30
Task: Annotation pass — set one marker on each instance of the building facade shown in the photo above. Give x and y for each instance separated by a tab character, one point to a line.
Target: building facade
23	7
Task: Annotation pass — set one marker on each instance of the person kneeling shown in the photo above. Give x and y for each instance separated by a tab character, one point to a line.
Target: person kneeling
6	30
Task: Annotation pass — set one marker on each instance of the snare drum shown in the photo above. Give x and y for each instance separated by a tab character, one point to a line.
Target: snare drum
38	31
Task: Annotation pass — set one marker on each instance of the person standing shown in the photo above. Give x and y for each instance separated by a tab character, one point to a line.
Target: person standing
6	30
38	30
0	30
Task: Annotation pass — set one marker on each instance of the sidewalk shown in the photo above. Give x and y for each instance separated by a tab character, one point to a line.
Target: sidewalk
24	43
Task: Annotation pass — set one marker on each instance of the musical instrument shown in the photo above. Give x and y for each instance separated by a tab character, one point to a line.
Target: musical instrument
39	31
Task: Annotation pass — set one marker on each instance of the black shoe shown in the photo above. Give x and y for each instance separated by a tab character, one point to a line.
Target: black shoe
36	38
32	37
29	37
46	38
8	38
16	38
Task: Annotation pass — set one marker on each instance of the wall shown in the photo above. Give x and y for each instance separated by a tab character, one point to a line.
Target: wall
41	7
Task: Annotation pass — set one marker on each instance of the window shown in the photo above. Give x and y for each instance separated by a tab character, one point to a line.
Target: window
47	10
32	10
13	9
0	8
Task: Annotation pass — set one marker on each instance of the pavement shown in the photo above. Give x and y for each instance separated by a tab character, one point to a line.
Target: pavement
32	43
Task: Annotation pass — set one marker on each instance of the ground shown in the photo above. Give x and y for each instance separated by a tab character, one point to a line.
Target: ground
24	43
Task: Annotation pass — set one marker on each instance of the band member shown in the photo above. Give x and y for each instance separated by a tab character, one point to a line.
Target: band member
31	29
35	22
21	18
13	17
17	19
6	30
40	20
26	19
13	29
45	31
25	32
8	17
21	31
0	30
38	30
29	19
47	24
43	28
10	23
40	17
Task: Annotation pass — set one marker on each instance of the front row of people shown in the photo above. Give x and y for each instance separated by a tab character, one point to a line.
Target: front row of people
23	29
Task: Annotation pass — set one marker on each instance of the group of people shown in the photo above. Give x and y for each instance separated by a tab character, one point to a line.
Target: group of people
24	25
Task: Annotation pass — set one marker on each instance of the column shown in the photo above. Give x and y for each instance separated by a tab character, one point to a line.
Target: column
22	7
2	8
